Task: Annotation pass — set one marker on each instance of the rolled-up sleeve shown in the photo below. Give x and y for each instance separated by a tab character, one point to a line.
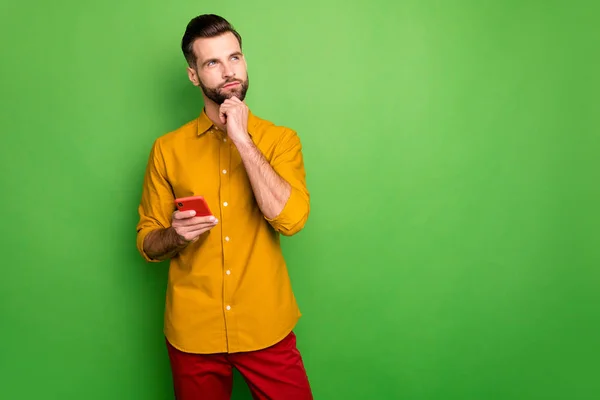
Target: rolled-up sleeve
288	162
156	205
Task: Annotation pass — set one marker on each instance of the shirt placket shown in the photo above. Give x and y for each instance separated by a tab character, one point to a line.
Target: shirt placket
224	194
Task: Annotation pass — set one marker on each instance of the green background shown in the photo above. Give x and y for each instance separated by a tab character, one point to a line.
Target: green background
452	152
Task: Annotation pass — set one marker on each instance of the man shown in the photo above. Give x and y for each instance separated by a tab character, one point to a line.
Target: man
229	299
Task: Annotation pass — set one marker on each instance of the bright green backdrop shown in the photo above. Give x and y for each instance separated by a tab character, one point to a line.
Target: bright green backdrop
452	154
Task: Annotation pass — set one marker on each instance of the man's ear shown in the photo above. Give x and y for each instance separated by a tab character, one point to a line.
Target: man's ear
193	76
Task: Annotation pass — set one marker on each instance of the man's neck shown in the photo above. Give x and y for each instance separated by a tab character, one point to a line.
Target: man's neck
212	112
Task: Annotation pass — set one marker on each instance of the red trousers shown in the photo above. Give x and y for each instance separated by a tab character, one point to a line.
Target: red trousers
274	373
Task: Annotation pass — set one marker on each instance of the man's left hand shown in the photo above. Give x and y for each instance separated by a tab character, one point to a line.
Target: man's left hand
234	115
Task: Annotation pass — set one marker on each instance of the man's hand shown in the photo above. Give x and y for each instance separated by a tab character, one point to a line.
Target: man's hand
234	115
165	243
189	227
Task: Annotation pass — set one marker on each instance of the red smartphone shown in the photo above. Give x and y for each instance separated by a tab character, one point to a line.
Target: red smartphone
196	203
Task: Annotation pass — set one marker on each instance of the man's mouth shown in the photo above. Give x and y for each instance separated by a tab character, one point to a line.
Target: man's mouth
230	85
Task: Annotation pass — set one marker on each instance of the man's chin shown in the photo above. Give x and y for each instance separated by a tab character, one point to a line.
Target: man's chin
236	93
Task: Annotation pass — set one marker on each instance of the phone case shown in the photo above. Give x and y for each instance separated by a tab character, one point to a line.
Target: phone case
196	203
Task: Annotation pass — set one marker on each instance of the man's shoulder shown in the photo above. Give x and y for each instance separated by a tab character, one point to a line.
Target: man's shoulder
182	132
269	129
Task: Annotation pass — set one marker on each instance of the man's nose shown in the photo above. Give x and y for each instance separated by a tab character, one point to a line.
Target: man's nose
228	71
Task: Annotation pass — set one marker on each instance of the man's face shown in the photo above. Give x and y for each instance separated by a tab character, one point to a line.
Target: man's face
220	68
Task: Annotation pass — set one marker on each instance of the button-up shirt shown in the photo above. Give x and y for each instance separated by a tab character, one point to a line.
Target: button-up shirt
230	290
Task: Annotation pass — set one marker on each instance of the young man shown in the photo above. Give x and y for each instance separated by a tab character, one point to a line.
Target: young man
229	299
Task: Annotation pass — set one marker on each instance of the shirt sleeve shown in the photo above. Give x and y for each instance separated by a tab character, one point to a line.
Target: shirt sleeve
156	205
288	162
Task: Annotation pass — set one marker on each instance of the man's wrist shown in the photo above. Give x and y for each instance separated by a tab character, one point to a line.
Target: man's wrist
175	238
241	139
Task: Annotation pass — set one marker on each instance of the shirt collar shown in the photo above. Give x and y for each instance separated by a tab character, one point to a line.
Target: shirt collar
205	124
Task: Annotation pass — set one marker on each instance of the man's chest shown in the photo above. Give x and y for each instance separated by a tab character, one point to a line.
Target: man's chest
213	168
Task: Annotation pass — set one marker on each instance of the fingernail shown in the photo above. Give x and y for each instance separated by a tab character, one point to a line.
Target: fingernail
193	212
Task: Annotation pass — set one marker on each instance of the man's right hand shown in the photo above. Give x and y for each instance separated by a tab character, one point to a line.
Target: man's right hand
165	243
189	227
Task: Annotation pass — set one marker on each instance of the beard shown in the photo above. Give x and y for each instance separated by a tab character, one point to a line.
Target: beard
219	95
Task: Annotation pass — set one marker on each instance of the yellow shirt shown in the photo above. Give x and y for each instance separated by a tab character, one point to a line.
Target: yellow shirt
230	290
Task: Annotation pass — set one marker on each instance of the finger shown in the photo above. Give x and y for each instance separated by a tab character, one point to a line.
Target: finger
228	111
208	220
192	236
196	221
226	107
231	102
184	214
223	115
188	231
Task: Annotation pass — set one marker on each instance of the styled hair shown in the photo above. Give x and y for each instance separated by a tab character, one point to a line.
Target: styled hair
204	26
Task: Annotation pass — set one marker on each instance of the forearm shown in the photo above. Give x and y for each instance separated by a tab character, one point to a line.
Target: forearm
162	244
270	190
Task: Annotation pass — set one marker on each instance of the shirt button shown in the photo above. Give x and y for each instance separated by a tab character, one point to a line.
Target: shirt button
228	308
224	171
224	139
227	238
225	204
228	272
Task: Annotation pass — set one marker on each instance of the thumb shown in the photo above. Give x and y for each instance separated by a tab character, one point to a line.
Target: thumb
222	116
184	214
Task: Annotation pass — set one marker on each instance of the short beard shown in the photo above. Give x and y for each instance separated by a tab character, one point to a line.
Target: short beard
219	97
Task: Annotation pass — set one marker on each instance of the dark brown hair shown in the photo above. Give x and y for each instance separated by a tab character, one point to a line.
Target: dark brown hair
204	26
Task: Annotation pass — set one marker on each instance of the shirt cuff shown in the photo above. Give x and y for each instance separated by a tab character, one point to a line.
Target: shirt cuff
141	235
293	216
